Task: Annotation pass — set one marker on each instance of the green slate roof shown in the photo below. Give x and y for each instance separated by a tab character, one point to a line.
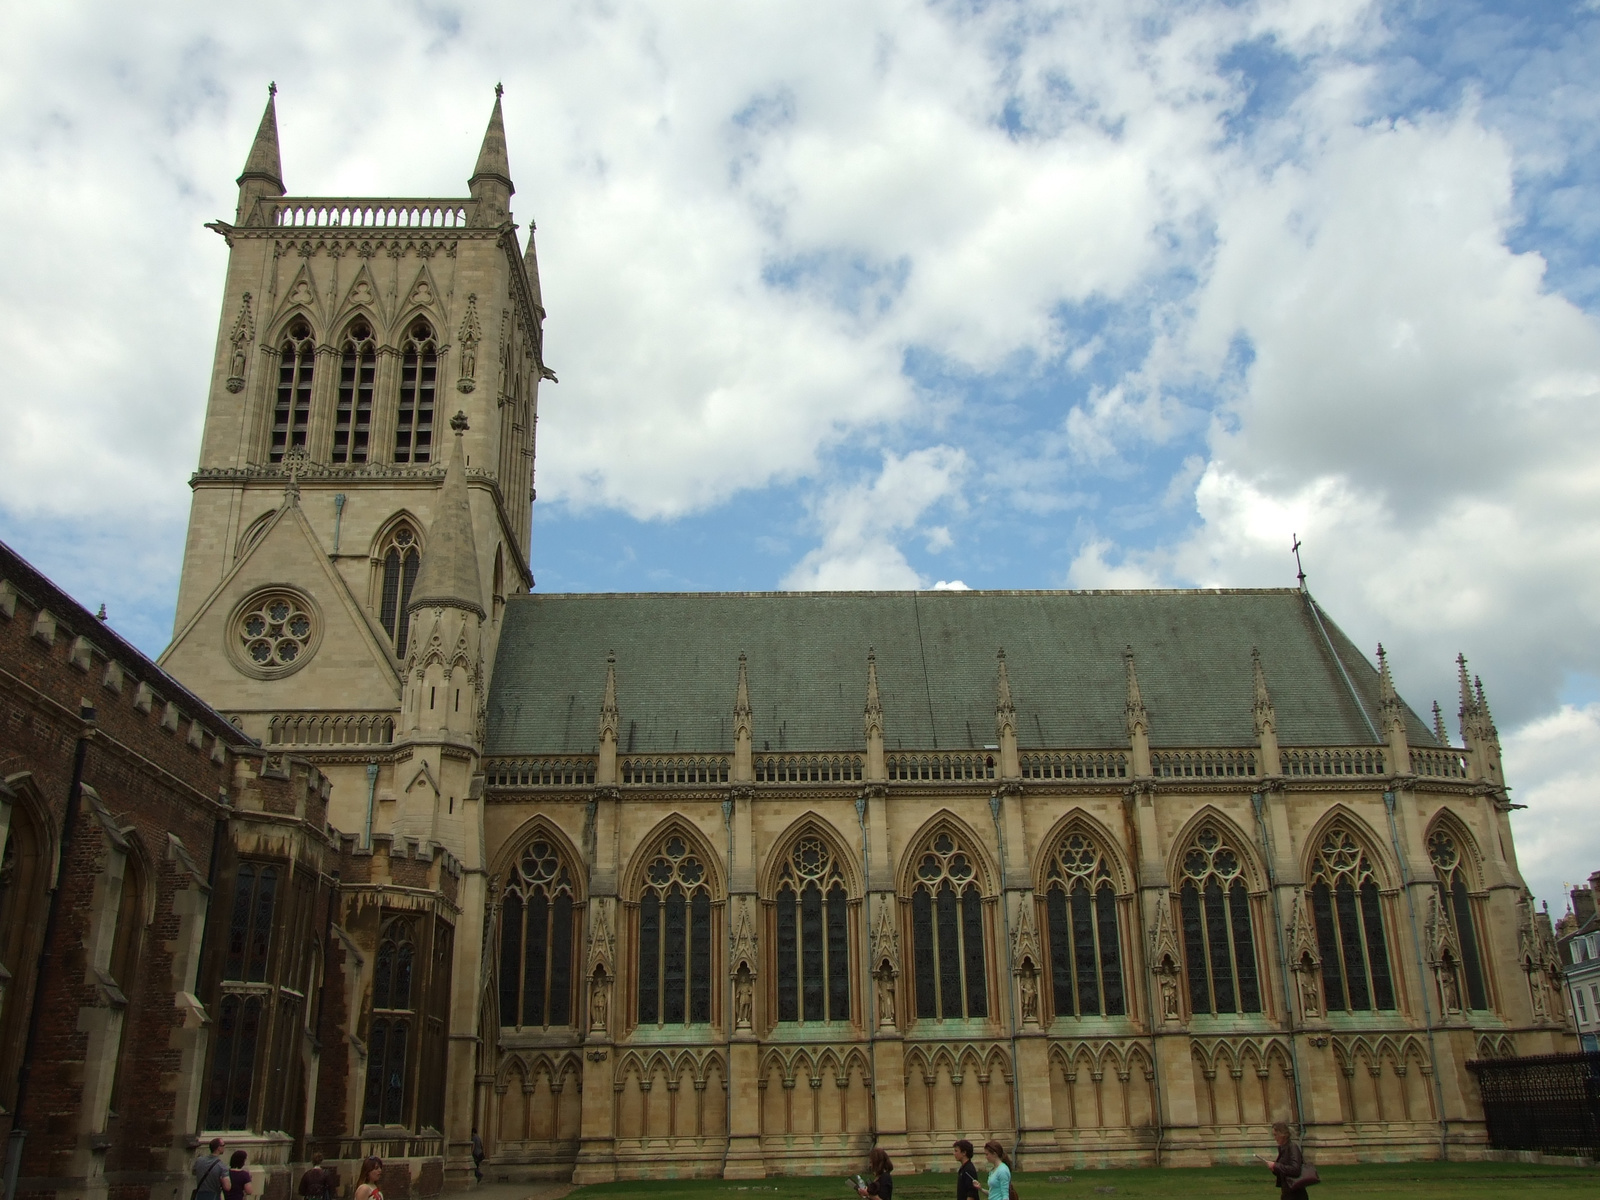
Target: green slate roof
678	663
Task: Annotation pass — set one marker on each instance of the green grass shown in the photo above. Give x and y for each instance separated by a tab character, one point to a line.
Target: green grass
1400	1181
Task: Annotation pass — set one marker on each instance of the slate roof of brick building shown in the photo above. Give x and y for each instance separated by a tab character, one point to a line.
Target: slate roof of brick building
677	668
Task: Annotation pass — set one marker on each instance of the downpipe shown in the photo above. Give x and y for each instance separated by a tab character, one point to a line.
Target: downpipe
1010	989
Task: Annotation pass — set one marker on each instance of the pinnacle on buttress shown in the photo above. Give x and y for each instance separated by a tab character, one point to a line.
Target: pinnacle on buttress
1135	707
1262	705
1469	708
1483	707
493	170
742	713
449	573
872	715
1439	730
610	717
1388	698
1003	705
530	264
264	163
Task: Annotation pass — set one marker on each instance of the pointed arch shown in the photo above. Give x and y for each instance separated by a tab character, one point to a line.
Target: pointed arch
674	890
419	387
27	866
254	532
1081	821
1079	877
809	884
1366	837
946	821
396	558
1343	867
1252	869
357	347
1212	864
538	877
290	428
1458	867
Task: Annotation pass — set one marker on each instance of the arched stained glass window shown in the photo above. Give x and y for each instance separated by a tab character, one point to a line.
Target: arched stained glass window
352	417
947	933
233	1063
1349	924
813	945
1452	874
401	559
536	940
675	937
419	370
1218	935
393	1018
291	410
1085	945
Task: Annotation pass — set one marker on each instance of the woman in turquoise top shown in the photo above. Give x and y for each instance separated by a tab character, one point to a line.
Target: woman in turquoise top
999	1185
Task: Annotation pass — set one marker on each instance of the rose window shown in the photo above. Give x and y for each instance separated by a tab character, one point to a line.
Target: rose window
275	631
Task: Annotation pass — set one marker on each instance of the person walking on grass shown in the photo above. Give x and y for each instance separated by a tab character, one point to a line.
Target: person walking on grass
477	1155
999	1185
1290	1164
882	1185
966	1173
211	1173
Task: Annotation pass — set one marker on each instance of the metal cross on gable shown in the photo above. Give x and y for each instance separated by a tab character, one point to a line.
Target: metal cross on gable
1300	571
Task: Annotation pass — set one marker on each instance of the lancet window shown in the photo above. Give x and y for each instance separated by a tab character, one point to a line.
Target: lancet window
233	1061
291	411
401	558
23	880
419	371
813	944
675	937
947	933
536	940
255	894
1349	924
1085	946
1452	875
393	1026
1218	935
352	417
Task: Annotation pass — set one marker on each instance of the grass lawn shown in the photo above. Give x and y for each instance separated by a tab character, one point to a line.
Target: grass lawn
1401	1181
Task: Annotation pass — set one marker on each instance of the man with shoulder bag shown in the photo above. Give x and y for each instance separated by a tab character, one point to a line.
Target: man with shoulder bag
211	1174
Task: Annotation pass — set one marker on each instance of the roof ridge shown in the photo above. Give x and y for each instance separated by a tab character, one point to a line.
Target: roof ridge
922	592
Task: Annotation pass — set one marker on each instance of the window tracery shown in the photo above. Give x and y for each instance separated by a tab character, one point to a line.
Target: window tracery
1349	924
1218	934
536	940
352	418
401	558
419	371
675	937
1452	875
812	943
275	631
947	933
291	411
393	1022
1085	945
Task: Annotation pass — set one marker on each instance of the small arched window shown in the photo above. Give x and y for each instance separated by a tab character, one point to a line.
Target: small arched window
401	559
419	370
536	940
947	933
352	419
389	1035
1085	948
675	937
1218	936
1349	922
291	412
813	943
1452	874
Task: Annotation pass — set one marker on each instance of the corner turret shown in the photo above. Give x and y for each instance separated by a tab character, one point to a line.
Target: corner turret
491	182
262	177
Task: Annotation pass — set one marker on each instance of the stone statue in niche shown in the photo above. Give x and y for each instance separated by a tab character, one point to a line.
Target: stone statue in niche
1310	1002
1169	998
1028	985
886	999
1536	986
1450	986
599	1002
743	1000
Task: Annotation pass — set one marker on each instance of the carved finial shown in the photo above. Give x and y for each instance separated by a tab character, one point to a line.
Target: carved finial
1439	730
102	613
499	90
459	423
1483	706
1469	708
294	461
872	715
1388	698
742	715
272	89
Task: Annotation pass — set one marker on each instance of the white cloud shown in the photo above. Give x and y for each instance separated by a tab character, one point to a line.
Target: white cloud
1555	764
861	523
950	585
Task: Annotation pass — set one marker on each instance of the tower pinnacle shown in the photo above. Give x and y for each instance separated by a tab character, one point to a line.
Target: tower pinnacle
263	170
491	177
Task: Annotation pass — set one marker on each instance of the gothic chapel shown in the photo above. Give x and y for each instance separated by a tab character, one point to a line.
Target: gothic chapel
745	884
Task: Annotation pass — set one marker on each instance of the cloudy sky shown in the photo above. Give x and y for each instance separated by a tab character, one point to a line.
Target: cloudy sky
875	293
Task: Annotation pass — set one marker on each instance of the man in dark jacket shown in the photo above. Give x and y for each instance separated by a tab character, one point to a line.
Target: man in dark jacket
966	1173
1289	1165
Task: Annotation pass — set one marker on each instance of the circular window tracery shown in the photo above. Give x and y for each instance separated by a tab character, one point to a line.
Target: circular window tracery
274	632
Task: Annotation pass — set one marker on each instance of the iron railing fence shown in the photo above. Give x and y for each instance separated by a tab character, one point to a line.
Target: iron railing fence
1548	1103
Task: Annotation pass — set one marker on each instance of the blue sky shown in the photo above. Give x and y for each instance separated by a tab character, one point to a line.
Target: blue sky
892	294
